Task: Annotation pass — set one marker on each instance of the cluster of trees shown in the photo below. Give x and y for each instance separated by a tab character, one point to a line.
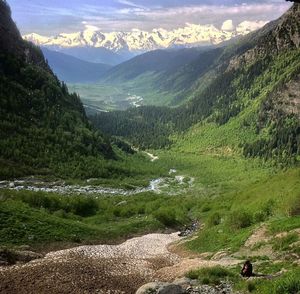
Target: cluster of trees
42	125
145	127
282	142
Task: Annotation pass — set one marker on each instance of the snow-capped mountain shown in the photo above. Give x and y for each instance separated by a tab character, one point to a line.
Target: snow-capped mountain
137	40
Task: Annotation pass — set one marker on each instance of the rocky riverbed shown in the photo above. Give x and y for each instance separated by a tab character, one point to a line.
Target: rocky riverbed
171	185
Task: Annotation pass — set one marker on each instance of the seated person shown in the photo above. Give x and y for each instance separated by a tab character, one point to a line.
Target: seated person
247	270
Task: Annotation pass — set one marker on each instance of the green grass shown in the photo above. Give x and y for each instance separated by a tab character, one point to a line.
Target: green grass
284	224
283	243
288	283
233	194
213	275
36	218
108	97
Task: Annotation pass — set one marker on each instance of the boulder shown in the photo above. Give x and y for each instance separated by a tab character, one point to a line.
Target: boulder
26	256
182	281
148	288
160	288
170	289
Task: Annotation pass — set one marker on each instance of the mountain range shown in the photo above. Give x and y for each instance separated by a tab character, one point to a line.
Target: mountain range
141	41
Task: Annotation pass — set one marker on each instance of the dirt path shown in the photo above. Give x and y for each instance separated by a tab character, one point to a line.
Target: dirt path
152	157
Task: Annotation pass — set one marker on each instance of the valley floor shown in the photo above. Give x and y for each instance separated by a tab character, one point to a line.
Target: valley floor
246	209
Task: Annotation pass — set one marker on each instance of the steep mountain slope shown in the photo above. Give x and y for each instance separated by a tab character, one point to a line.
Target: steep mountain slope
151	62
73	70
43	128
233	94
170	72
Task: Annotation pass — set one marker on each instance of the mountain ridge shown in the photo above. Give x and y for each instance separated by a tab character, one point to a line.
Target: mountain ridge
74	70
140	41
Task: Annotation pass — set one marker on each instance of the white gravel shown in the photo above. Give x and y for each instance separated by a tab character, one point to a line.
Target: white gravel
145	247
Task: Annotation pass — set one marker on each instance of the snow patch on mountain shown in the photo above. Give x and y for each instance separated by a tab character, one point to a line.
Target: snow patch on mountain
138	40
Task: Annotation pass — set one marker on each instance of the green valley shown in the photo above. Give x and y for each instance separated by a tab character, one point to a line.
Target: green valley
198	146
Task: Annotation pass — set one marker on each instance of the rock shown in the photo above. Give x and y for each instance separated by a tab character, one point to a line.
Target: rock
170	289
11	185
26	256
182	281
160	288
194	282
9	257
188	230
149	288
24	248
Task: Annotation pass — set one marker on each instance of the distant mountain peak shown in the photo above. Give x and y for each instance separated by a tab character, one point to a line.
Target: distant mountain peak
159	38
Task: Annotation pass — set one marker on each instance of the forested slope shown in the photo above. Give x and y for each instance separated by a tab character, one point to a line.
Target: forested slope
43	127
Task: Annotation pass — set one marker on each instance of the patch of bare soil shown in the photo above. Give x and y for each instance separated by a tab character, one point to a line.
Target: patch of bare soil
92	269
75	275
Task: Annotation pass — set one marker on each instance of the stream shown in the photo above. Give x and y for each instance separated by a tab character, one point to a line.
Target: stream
172	185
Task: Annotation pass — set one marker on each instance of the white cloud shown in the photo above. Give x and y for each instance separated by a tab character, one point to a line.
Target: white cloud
92	28
250	26
227	25
129	3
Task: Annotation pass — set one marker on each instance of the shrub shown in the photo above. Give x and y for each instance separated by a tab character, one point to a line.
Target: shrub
60	213
265	212
167	217
251	286
295	208
83	206
259	217
240	219
206	208
214	219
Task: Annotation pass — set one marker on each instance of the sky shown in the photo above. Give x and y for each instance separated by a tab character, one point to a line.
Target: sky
52	17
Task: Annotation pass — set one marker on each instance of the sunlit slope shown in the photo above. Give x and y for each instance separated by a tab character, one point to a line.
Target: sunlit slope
250	96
